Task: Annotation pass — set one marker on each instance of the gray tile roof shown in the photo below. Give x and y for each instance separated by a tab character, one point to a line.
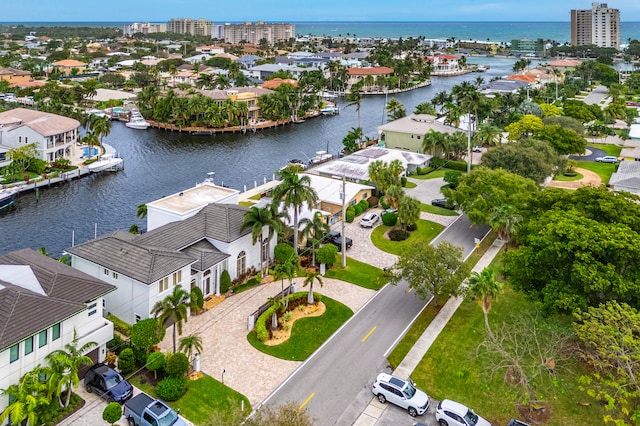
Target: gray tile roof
160	252
25	312
206	253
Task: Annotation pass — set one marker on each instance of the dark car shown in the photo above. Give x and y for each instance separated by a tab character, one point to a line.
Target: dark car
107	383
335	238
441	202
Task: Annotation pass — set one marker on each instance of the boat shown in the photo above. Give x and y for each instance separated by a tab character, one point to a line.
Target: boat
294	163
137	121
483	68
7	196
107	161
321	157
98	113
330	109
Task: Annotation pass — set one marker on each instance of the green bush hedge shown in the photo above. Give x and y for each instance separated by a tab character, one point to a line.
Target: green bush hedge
457	165
364	204
327	254
403	181
390	218
177	365
126	361
225	281
172	388
283	252
350	213
119	325
358	209
398	235
261	325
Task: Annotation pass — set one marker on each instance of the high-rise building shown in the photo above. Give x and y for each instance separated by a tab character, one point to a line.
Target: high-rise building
599	26
144	28
199	27
253	33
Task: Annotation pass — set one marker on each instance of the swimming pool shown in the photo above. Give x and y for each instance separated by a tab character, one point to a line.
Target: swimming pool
89	152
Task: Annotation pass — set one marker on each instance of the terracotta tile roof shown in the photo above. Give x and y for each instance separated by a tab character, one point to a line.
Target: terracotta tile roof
370	71
522	77
35	83
276	82
69	63
44	123
565	63
13	71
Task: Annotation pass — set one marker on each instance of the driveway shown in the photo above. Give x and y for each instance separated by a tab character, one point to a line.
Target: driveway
596	96
590	154
589	179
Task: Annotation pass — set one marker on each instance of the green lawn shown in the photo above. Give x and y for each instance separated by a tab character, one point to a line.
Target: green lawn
434	174
358	273
454	368
562	178
307	334
604	170
437	210
410	184
426	232
206	399
609	149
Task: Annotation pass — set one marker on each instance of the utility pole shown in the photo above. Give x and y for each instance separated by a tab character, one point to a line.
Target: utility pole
344	218
469	143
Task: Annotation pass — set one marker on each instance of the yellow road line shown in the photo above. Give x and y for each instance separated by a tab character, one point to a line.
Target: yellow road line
306	401
368	334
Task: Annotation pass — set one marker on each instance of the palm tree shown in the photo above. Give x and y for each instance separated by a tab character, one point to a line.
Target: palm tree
395	110
393	195
173	307
311	278
256	219
485	286
505	219
141	211
277	304
487	135
27	398
314	228
191	344
295	191
425	108
395	170
101	126
65	364
408	211
284	270
354	98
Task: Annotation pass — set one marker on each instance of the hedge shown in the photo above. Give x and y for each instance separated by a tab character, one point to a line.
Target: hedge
350	213
364	204
172	388
225	281
389	218
372	201
261	325
119	325
358	209
457	165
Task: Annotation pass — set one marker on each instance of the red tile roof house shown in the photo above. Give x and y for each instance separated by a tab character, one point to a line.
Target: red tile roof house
357	74
55	136
43	302
67	66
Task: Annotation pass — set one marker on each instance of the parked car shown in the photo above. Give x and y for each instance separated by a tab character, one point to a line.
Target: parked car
401	393
369	219
335	238
389	210
477	148
107	383
146	411
607	159
441	202
451	413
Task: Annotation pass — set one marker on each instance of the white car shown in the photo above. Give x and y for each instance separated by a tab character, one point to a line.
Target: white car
401	393
451	413
607	159
369	219
477	148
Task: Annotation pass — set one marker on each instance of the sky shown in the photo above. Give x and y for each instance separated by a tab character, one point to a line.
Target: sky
220	11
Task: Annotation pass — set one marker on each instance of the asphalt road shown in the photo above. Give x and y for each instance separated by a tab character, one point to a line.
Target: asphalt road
595	153
333	385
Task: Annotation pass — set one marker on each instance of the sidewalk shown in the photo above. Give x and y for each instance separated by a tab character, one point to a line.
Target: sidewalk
372	413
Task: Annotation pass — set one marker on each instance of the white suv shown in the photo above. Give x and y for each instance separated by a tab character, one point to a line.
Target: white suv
368	220
451	413
401	393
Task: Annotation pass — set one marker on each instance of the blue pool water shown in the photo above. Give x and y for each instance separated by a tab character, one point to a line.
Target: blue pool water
89	152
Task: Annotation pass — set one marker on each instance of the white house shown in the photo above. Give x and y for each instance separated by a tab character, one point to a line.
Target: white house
43	303
190	242
55	136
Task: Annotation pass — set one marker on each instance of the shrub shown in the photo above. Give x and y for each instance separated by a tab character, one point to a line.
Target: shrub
283	252
111	358
139	355
437	162
403	181
373	202
177	365
452	177
116	344
287	316
411	227
327	254
172	388
398	235
112	412
261	326
364	204
155	361
127	361
350	213
225	281
146	333
120	325
298	299
357	209
197	299
457	165
389	218
383	203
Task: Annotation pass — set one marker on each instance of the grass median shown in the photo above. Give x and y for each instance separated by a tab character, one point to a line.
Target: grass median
426	231
358	273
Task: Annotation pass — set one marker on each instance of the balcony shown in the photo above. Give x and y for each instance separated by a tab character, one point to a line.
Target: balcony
99	331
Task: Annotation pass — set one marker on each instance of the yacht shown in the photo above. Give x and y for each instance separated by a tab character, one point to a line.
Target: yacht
107	161
7	196
137	121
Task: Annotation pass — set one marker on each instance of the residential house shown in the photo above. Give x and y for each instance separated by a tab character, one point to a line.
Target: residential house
44	303
248	61
627	177
55	136
408	132
190	242
445	65
211	50
263	72
249	95
358	74
329	192
502	86
69	67
14	76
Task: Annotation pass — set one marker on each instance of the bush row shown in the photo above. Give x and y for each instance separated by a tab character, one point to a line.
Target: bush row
119	325
294	300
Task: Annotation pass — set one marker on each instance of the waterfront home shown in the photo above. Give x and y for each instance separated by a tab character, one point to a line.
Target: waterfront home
55	136
249	95
44	302
14	76
264	71
407	133
502	86
68	67
193	236
445	65
357	74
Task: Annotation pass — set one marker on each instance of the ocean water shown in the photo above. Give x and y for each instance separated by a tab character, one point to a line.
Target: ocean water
482	31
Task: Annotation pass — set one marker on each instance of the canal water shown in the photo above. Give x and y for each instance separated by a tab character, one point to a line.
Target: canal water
159	163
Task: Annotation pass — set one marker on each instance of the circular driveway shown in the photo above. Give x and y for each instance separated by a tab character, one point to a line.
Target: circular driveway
590	155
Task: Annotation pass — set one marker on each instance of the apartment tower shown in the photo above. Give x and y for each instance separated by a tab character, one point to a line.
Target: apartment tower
599	26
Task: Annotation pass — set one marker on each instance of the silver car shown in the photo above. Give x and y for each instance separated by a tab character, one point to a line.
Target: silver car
401	393
451	413
607	159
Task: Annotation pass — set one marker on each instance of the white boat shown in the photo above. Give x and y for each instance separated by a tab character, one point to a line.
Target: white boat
7	196
330	110
321	157
138	123
483	68
98	112
106	162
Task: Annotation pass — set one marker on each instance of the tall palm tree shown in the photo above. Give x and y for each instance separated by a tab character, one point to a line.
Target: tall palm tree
65	364
393	195
315	228
191	344
311	278
487	134
27	397
284	270
395	109
277	304
408	211
425	108
354	98
256	219
101	126
395	170
505	219
295	191
485	286
173	307
141	211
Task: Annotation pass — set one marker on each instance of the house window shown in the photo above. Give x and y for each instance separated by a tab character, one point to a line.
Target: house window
265	250
114	275
28	345
163	285
26	139
42	338
138	317
105	271
177	278
92	308
14	352
241	263
55	332
19	139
